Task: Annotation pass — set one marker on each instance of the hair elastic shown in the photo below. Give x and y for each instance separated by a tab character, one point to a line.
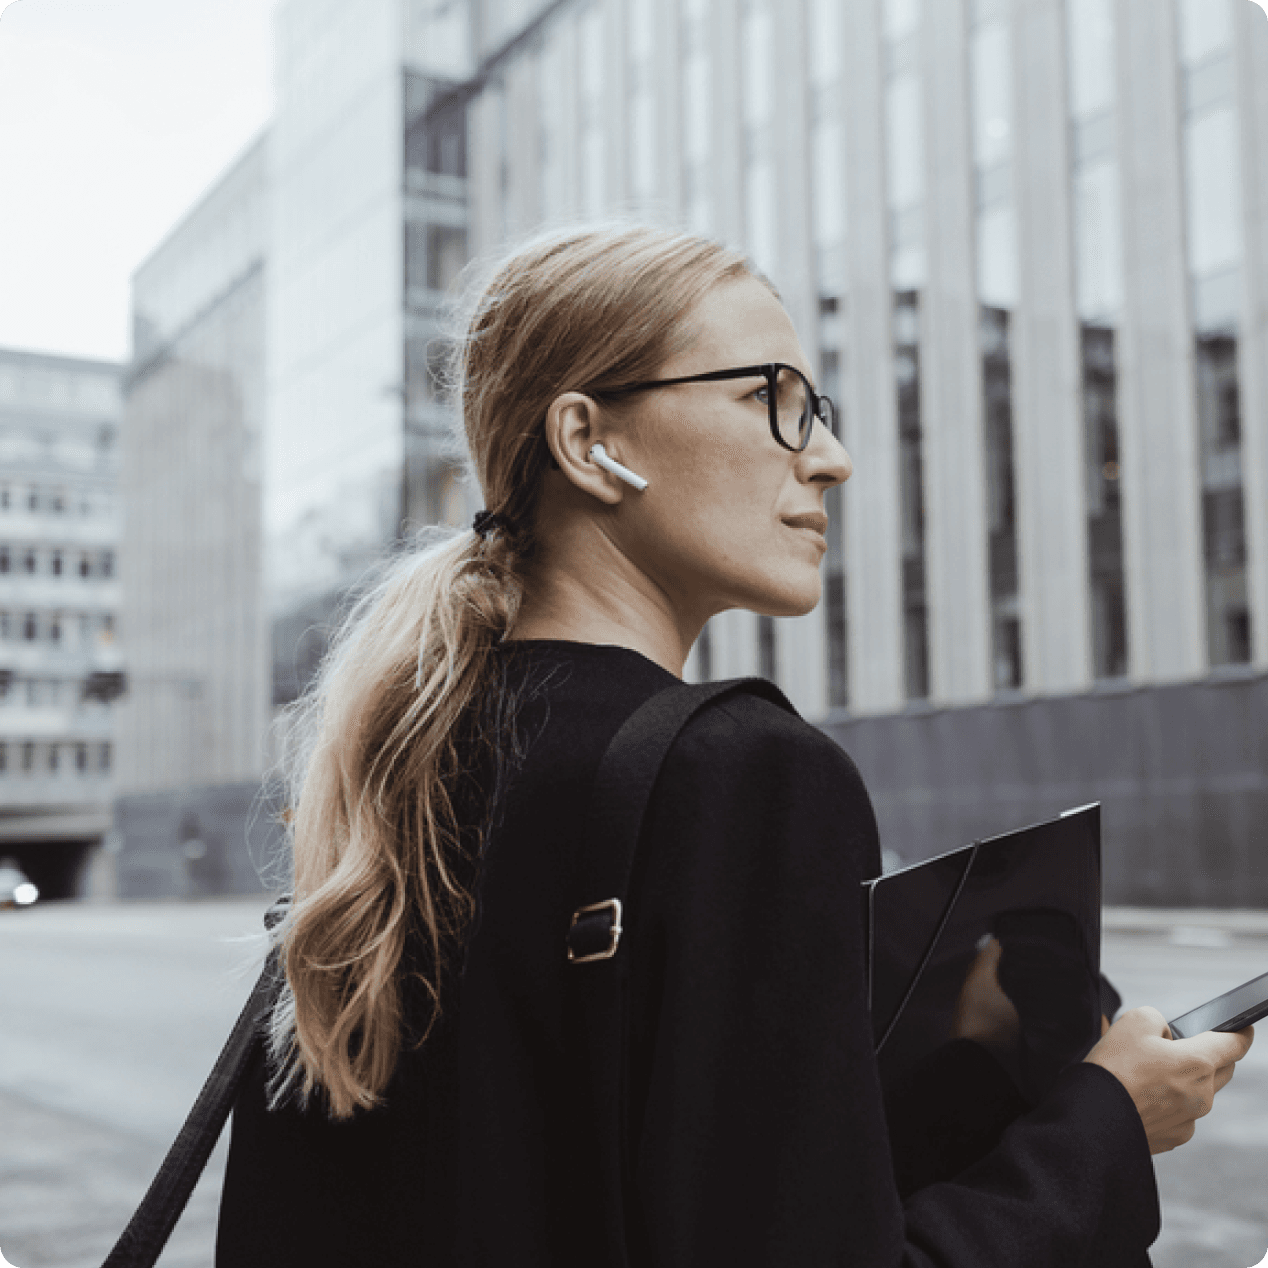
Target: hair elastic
486	522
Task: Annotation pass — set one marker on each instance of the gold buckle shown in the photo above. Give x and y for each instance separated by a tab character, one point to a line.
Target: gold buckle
614	933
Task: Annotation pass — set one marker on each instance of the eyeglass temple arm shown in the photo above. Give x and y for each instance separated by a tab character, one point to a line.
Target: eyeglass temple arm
713	376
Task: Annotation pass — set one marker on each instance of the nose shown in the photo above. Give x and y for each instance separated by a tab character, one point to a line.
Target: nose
826	458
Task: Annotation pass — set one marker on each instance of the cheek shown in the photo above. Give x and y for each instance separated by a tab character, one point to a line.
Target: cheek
717	482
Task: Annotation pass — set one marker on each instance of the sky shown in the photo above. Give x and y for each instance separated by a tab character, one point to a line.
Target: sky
115	116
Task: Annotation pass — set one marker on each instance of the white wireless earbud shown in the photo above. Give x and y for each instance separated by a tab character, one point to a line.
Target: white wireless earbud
600	455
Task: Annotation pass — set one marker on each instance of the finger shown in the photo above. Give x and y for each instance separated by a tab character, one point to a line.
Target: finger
1218	1046
1147	1019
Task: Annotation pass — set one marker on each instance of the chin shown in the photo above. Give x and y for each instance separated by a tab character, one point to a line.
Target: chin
793	597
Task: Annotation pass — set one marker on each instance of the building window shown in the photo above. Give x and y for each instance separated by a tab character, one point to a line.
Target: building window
55	563
838	633
6	561
5	497
81	758
1001	516
446	255
107	563
30	561
104	758
1104	502
33	499
6	628
911	494
85	565
28	757
4	758
57	501
55	629
54	757
30	627
766	646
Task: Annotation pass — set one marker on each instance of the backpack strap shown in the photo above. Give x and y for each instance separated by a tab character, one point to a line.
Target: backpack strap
598	962
141	1243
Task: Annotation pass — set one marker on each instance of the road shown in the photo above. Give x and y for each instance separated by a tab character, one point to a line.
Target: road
110	1016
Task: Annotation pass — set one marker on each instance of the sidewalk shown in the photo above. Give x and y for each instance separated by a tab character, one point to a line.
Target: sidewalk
1187	925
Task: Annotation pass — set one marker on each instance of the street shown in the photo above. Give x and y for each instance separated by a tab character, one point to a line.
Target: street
110	1018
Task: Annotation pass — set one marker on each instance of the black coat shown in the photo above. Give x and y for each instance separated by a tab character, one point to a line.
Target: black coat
759	1131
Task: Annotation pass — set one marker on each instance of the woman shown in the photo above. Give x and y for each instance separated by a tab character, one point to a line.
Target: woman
420	1105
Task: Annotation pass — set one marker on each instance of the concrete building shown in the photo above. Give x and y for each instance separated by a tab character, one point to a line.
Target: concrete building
283	422
193	724
367	228
1026	244
59	600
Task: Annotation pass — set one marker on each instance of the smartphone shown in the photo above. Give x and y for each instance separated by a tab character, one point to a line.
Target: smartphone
1234	1010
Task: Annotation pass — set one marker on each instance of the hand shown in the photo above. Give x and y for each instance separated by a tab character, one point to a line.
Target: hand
983	1012
1172	1082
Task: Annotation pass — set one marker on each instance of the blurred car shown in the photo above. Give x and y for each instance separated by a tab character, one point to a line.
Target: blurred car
16	889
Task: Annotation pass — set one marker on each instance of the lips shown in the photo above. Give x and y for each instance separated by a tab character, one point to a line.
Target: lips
810	531
816	521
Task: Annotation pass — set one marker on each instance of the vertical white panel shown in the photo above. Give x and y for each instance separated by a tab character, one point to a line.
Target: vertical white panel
734	644
666	80
1162	527
727	124
956	582
616	101
800	642
873	531
1047	403
524	154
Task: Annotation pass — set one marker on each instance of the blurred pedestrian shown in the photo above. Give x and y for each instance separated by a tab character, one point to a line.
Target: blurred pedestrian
642	422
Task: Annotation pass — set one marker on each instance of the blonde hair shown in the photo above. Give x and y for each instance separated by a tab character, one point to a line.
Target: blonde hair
376	839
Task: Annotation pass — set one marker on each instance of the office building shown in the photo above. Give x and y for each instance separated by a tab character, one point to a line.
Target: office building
367	229
284	424
60	664
193	723
1025	243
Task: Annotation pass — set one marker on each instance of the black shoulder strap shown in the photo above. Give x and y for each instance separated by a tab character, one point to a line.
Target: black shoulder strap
147	1232
622	789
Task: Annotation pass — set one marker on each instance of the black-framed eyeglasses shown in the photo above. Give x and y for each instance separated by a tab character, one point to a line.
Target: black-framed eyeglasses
791	402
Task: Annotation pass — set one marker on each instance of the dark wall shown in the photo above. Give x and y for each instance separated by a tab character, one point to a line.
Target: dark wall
197	843
1182	772
55	867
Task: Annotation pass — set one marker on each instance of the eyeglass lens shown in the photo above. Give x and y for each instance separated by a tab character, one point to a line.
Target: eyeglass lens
792	409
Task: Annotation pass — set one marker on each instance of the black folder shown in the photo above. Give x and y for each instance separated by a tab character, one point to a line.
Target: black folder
1038	890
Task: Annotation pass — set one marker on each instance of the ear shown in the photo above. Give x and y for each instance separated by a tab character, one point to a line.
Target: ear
572	426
